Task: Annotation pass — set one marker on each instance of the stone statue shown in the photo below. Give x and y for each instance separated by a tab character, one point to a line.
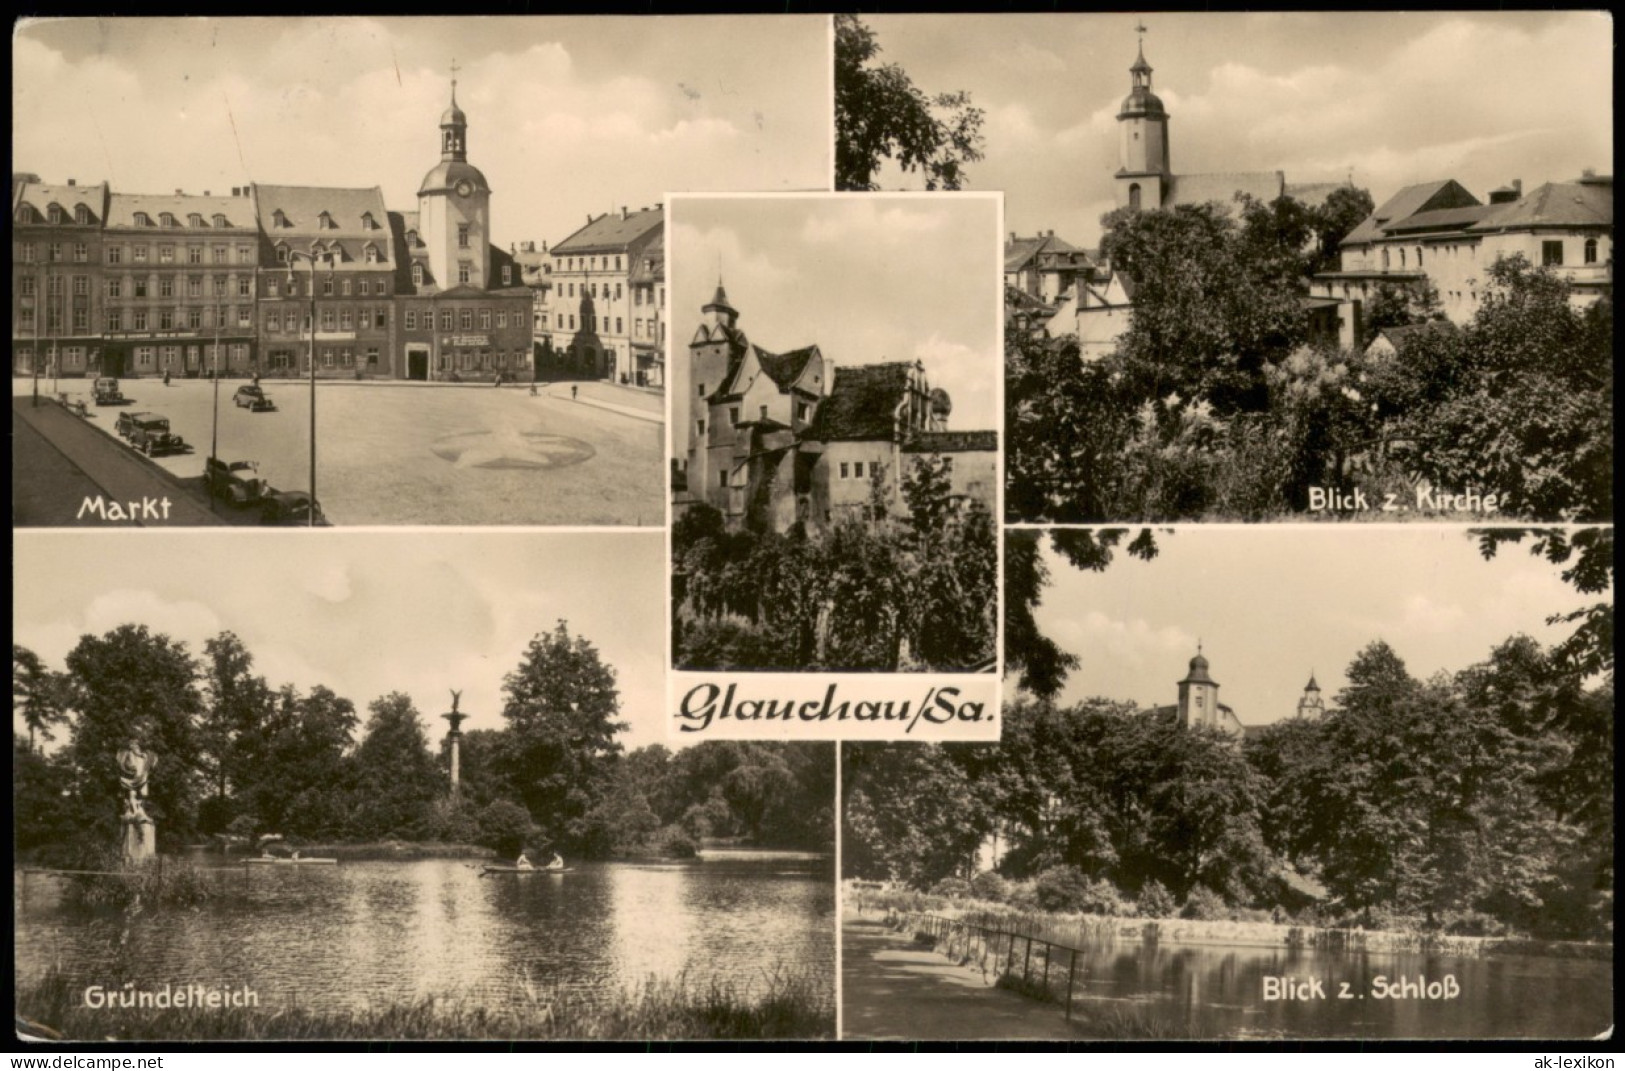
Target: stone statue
140	838
455	696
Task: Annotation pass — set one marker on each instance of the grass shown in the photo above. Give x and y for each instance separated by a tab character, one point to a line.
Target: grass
788	1006
1032	988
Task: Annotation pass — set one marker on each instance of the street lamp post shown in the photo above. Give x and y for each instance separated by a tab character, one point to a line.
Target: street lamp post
294	256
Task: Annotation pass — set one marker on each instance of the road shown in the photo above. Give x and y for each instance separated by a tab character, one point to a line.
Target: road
418	454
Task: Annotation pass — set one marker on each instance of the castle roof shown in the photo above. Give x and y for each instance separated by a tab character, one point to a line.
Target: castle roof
40	196
1556	204
1198	672
238	212
862	403
784	368
1422	197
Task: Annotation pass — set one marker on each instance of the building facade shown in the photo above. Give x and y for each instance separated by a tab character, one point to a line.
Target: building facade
142	284
592	304
56	291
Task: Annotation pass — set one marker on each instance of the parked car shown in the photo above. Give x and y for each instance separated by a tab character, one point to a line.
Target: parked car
291	508
150	434
106	392
126	422
236	481
252	398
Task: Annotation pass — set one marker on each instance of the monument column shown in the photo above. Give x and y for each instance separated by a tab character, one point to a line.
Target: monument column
454	737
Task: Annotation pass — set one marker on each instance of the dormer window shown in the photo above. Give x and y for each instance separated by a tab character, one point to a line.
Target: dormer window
279	218
369	253
81	214
367	222
507	275
143	220
281	253
417	275
411	237
325	222
56	213
167	219
194	219
25	214
220	220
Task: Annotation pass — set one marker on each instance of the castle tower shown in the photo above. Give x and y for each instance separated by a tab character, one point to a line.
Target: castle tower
454	208
1199	695
710	355
1310	704
1143	165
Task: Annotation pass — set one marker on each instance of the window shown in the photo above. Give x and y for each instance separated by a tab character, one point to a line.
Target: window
485	319
700	426
364	288
272	288
464	270
27	249
699	390
327	320
139	287
462	236
617	285
143	220
445	319
56	213
733	416
764	412
346	320
845	473
166	287
115	320
138	319
327	286
281	253
166	254
502	318
55	249
507	275
220	221
194	286
81	286
722	479
220	286
25	286
1551	254
243	316
81	320
1134	197
166	319
1385	260
194	219
279	218
411	320
81	252
324	221
417	275
143	356
194	318
345	287
245	254
857	470
81	214
617	325
372	355
1591	251
465	319
370	253
802	410
194	254
245	286
273	321
1419	256
222	254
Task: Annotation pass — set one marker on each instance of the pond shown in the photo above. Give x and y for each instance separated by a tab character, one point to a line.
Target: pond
1219	991
366	935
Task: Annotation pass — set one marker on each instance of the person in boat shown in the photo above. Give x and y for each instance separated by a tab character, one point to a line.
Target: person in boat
555	863
523	862
296	855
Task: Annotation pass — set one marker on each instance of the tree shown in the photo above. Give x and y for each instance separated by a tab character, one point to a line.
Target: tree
880	115
560	708
396	777
1344	209
297	778
235	706
132	685
910	814
37	693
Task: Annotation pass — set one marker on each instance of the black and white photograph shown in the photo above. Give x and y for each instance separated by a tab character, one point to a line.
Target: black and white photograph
370	271
400	786
1380	806
1279	266
834	433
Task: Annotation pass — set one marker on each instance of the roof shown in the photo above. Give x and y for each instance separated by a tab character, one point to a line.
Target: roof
302	206
651	262
1198	672
862	403
1019	251
1423	197
784	368
40	196
1314	194
1397	335
1556	204
238	211
1222	186
952	442
612	232
1439	219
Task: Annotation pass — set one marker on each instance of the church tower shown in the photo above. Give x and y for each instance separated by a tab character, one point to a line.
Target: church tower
1143	171
454	208
1310	705
711	354
1199	695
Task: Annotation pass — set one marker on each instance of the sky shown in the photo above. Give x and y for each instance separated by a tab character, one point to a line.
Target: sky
567	116
867	279
365	614
1394	98
1272	605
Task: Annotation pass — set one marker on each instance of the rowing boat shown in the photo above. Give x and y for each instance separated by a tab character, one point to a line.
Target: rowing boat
497	868
291	862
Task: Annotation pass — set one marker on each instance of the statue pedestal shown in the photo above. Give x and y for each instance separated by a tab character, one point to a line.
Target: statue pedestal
140	841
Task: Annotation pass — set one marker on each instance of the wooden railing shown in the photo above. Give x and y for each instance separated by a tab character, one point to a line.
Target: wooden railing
1040	965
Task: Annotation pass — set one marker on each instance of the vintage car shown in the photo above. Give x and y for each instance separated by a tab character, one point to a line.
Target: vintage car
253	399
126	422
236	481
106	392
150	434
294	508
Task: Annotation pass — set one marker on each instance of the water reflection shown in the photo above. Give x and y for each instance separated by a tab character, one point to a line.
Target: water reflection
369	934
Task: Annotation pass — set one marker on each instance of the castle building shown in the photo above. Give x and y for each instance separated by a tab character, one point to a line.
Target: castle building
140	284
1310	705
1199	705
777	438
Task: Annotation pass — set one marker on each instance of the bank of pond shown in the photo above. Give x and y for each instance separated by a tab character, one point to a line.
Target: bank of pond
736	943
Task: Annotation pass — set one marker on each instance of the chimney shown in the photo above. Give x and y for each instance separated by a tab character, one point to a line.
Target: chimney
1012	237
1517	184
624	212
72	182
1585	173
659	206
544	245
180	193
206	193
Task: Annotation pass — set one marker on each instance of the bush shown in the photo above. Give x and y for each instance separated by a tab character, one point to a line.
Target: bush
989	886
1203	903
506	827
675	842
1065	889
1155	901
953	888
